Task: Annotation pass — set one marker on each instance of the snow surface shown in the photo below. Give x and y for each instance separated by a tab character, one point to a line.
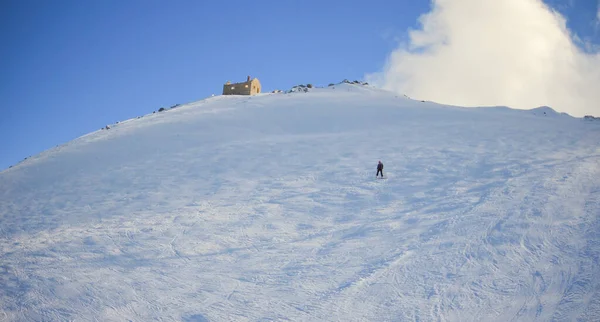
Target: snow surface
267	208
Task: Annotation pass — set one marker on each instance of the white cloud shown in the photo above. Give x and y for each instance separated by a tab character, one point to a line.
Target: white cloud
517	53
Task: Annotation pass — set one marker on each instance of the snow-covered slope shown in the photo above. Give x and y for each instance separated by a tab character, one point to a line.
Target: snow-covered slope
267	208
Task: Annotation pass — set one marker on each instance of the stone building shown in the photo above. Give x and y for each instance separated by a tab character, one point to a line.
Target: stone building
249	87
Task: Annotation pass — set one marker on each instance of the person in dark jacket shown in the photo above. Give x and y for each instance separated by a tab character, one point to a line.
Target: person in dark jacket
379	169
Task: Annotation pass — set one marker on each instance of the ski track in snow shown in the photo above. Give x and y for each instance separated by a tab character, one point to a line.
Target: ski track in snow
266	208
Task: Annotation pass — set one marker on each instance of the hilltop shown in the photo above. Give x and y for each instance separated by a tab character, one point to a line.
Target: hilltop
266	207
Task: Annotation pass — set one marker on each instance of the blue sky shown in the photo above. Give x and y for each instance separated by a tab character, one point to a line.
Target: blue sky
71	67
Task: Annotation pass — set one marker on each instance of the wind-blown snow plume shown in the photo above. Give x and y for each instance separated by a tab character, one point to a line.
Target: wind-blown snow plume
514	52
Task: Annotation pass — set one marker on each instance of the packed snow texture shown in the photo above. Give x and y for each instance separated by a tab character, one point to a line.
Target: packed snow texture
262	208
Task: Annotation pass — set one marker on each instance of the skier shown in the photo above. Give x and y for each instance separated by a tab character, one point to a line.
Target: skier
379	169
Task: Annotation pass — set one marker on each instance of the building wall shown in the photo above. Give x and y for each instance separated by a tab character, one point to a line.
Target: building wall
246	88
255	87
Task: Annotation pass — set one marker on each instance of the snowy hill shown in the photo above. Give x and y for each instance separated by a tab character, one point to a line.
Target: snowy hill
267	208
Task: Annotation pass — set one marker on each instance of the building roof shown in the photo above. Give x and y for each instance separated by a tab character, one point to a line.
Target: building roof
246	82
